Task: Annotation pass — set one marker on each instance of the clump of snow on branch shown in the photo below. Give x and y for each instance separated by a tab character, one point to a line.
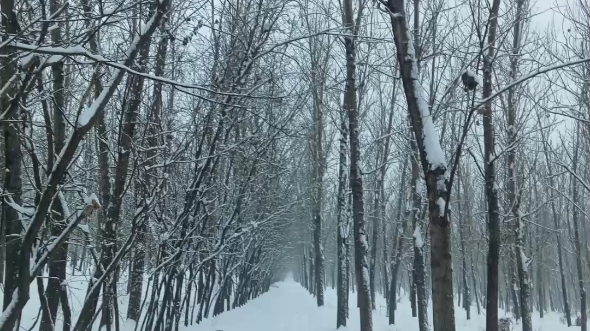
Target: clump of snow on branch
434	153
477	78
92	204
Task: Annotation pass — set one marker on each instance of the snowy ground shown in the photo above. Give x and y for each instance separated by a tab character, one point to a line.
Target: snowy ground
289	307
286	307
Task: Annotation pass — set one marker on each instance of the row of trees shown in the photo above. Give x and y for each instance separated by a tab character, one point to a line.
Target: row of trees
488	191
144	142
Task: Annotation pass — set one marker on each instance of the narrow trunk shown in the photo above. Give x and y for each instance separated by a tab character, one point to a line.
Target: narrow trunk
578	244
418	268
396	266
397	246
342	230
375	240
491	188
356	180
566	306
466	292
513	198
138	263
57	262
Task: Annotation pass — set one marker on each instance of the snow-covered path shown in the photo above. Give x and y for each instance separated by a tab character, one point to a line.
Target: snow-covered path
289	307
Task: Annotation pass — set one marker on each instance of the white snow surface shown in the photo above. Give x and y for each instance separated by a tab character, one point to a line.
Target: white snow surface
287	306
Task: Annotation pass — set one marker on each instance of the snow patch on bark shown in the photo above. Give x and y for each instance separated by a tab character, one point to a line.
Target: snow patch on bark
418	236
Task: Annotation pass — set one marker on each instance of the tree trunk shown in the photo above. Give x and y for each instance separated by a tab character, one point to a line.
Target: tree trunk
434	168
12	159
491	188
578	243
58	261
343	227
566	306
395	269
513	191
466	292
356	180
375	238
317	204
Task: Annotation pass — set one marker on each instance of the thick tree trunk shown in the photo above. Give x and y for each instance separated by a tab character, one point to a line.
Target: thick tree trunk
434	168
12	158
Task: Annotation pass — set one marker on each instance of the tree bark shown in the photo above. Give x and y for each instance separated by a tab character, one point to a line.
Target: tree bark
434	168
343	227
58	261
578	242
356	180
317	184
491	188
466	292
513	198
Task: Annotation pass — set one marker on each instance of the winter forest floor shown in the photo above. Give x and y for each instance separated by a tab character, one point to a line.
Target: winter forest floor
287	306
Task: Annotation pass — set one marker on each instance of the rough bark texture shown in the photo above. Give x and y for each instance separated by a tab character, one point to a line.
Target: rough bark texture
491	188
343	228
12	157
513	191
317	183
435	174
356	181
419	297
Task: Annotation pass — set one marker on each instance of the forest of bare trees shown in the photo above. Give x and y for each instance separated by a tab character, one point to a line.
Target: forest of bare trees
186	155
